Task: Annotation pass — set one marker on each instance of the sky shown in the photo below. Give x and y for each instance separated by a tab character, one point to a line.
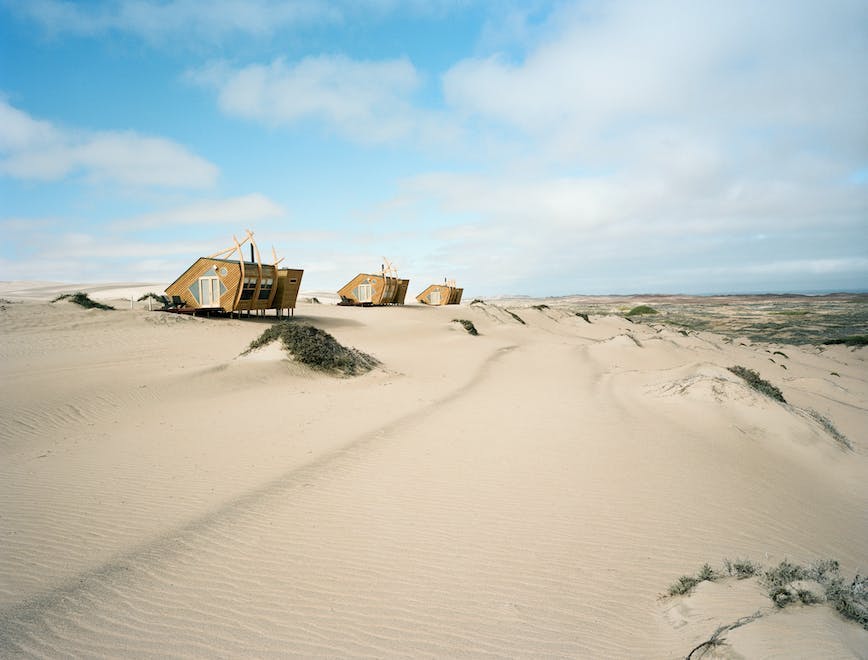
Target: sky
535	148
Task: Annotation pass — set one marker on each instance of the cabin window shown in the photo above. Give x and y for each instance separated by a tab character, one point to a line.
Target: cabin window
209	292
248	288
363	293
265	289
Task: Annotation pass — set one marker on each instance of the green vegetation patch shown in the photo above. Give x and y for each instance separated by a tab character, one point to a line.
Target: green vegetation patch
163	300
830	428
761	385
851	340
515	316
468	325
316	348
642	309
848	597
82	299
583	315
685	584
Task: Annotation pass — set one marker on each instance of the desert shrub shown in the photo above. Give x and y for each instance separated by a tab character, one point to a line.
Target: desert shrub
781	353
163	300
782	596
515	316
316	348
753	379
808	597
82	299
468	325
540	308
851	600
583	315
785	573
707	574
852	340
741	568
826	423
834	373
683	586
477	301
641	309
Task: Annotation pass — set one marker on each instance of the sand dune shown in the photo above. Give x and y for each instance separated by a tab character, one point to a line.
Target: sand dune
532	491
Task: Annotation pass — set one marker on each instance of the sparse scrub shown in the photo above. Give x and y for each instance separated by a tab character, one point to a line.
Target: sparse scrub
540	308
468	325
583	315
163	300
741	568
686	583
316	349
834	373
852	340
477	301
781	353
82	299
826	423
753	379
850	599
642	309
515	316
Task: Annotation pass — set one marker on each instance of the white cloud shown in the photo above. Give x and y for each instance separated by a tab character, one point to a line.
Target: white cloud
239	211
364	100
37	149
706	70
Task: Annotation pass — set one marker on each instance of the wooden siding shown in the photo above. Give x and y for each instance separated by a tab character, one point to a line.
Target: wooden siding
286	293
402	291
231	278
449	295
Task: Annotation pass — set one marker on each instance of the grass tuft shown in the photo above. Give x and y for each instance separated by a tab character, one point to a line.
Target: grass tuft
515	316
163	300
741	568
468	325
583	315
753	379
641	309
826	423
82	299
316	348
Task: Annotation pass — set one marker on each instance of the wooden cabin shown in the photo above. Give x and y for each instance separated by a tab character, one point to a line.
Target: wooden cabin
237	285
441	294
383	289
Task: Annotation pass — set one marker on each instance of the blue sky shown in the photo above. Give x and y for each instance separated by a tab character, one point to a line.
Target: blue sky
537	148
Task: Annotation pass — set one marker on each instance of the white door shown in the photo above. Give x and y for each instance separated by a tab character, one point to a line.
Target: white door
209	291
434	297
365	293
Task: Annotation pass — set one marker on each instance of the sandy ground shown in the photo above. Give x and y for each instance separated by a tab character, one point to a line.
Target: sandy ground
532	491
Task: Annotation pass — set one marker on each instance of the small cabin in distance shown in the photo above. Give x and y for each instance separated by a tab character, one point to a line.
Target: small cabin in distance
219	283
369	290
441	294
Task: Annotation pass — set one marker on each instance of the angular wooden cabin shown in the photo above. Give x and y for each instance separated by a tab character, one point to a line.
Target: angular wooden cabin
235	285
383	289
441	294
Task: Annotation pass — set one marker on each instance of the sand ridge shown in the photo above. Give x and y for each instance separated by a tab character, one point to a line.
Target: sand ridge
531	491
